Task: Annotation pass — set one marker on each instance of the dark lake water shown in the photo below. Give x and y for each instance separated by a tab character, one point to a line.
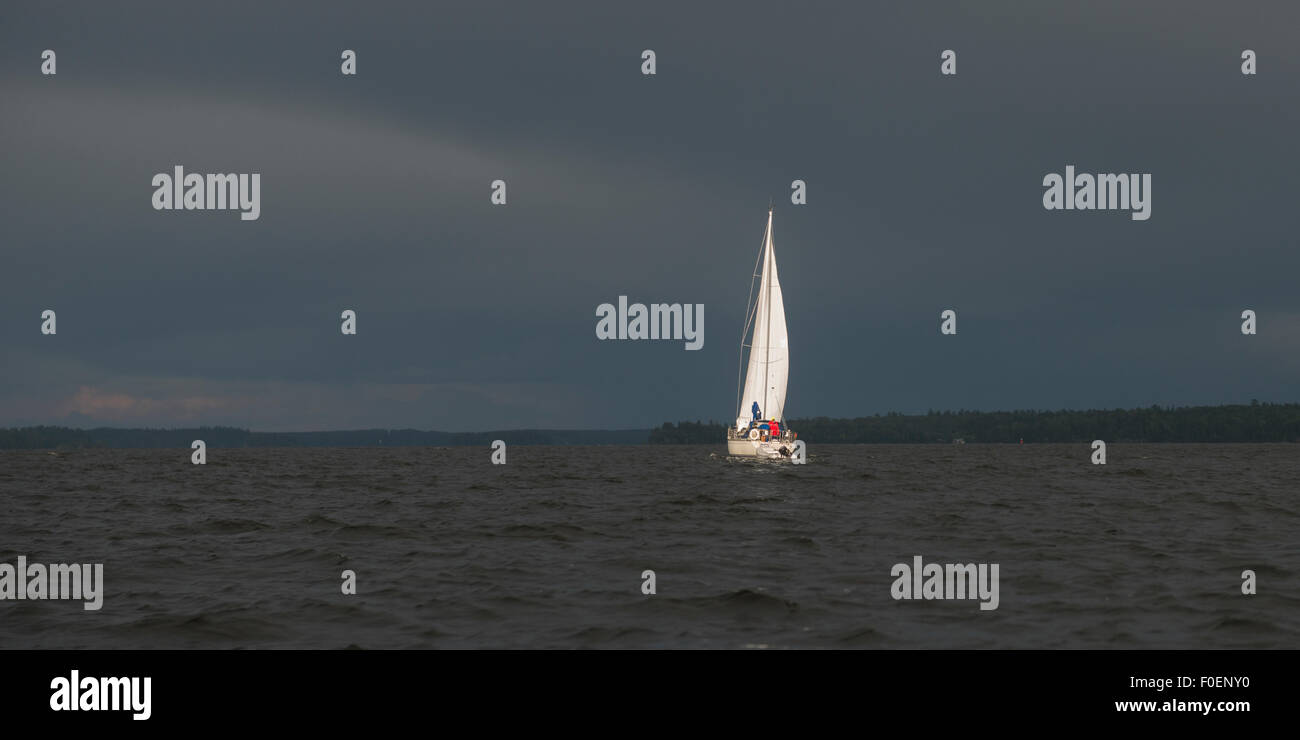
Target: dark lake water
451	551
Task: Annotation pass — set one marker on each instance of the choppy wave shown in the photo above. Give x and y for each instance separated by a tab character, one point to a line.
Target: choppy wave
450	551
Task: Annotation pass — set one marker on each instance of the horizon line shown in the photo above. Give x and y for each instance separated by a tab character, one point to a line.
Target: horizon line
1155	406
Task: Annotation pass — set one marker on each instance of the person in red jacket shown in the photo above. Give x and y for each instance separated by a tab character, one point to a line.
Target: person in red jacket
774	428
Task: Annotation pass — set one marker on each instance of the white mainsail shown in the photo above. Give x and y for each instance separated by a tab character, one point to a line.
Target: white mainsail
769	347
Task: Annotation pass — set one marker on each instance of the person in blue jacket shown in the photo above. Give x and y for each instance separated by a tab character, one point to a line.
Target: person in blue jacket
757	413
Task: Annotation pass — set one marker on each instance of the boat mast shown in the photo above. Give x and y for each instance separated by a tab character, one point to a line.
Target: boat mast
767	316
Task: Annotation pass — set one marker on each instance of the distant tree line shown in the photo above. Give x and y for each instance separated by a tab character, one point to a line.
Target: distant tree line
46	437
1257	422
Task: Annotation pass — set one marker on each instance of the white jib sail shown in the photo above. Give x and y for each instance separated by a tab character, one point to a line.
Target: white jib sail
769	348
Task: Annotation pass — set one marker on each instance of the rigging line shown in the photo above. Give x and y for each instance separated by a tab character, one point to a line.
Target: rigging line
740	365
751	312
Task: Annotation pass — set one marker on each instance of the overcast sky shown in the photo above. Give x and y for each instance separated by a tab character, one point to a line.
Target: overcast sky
924	193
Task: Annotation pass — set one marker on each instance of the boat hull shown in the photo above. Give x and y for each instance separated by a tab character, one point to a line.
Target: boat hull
769	450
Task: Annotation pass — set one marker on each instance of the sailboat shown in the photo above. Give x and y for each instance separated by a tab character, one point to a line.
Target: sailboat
760	429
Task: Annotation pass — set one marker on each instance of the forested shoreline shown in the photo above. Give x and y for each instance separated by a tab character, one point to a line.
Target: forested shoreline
51	437
1256	422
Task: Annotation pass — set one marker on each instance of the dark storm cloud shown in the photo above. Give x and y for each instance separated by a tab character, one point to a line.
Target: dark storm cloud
924	194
